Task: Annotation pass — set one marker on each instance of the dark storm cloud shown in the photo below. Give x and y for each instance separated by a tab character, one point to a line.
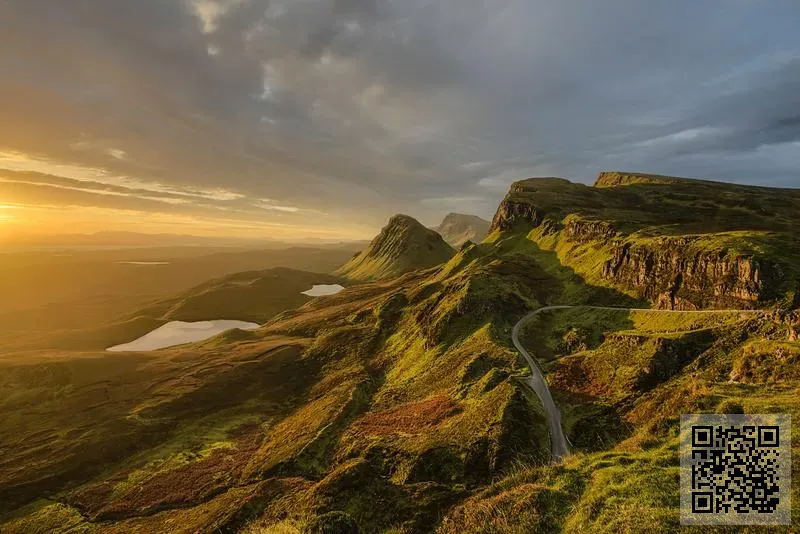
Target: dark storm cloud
764	113
363	107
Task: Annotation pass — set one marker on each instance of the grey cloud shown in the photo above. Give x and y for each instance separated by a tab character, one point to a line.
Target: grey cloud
376	106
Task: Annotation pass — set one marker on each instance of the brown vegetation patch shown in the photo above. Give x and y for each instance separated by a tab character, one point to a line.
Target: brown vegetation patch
570	376
194	482
412	418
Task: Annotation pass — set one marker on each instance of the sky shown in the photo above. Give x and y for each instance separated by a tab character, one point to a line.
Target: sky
324	117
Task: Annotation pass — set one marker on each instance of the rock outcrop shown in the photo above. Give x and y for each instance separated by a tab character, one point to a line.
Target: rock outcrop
674	277
616	179
677	242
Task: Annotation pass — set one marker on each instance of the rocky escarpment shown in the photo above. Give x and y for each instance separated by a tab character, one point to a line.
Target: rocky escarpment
680	243
518	207
616	179
586	231
512	212
673	276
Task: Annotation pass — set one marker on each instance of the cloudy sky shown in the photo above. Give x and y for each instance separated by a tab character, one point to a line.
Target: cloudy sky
324	117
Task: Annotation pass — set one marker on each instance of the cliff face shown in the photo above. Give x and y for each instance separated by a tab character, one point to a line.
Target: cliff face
674	277
586	231
616	179
512	212
677	242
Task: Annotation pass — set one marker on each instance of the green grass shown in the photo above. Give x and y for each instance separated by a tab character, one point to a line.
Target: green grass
730	228
630	483
399	402
403	245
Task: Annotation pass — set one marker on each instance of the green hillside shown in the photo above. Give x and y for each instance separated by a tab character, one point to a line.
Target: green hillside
400	405
676	242
403	245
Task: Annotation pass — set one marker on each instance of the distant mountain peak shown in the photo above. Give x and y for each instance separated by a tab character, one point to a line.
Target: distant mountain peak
458	228
403	245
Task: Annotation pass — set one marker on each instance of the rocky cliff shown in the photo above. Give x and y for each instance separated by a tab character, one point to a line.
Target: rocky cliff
677	242
672	276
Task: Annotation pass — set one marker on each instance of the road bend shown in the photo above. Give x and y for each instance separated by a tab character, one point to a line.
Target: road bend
559	446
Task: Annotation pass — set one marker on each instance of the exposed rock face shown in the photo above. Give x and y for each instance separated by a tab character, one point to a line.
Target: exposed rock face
531	202
512	212
674	278
585	231
403	245
616	179
679	242
458	228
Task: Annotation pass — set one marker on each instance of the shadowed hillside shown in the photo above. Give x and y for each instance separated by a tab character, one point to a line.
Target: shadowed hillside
253	296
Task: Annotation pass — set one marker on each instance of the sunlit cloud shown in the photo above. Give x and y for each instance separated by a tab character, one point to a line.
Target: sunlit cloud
267	204
343	112
23	163
116	153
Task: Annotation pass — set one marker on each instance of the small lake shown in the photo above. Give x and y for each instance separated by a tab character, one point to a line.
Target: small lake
179	332
323	290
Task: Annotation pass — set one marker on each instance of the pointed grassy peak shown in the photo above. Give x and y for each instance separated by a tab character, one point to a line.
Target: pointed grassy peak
403	245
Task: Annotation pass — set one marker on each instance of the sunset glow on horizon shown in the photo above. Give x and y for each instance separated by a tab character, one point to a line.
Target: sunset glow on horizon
222	117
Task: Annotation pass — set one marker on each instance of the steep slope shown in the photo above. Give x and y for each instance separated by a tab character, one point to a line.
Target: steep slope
458	228
676	242
403	245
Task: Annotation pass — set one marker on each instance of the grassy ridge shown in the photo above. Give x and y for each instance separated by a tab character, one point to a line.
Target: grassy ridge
624	475
665	240
405	387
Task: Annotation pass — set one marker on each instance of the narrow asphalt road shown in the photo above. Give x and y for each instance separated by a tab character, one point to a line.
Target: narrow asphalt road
559	447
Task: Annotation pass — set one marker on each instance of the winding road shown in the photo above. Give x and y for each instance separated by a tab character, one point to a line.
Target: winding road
559	446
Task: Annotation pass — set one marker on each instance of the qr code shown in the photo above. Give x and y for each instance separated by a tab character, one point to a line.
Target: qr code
736	469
